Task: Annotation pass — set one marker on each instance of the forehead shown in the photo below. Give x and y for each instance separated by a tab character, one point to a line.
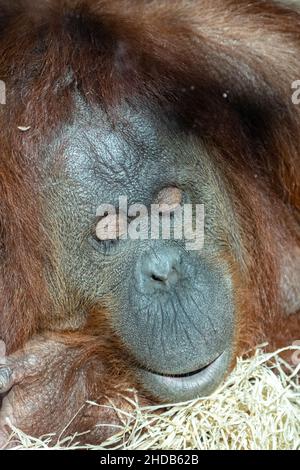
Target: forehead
114	139
128	143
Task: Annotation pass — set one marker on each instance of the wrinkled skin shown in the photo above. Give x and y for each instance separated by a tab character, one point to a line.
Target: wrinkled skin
58	401
173	326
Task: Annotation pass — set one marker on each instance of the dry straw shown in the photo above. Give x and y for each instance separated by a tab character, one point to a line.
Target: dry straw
258	407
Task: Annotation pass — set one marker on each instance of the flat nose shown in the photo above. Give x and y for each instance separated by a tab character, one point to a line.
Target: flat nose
159	270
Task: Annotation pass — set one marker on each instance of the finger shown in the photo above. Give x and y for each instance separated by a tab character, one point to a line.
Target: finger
4	438
11	369
2	350
6	379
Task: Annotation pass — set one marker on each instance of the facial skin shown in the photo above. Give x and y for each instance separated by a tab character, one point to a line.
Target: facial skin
171	309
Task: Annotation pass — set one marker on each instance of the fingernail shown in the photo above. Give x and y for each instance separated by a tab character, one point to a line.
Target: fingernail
5	376
2	348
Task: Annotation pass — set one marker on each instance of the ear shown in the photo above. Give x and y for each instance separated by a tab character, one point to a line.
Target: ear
290	281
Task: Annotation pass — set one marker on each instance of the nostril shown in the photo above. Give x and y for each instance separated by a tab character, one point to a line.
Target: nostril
159	270
157	278
169	276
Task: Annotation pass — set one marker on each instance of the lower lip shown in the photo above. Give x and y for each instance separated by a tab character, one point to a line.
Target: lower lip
188	387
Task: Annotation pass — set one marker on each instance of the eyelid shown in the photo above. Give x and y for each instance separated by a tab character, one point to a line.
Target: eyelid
103	247
111	227
169	199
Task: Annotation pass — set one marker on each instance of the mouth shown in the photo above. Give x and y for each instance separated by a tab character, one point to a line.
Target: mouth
189	386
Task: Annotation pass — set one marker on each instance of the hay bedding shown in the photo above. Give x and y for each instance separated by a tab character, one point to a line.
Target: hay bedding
258	407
